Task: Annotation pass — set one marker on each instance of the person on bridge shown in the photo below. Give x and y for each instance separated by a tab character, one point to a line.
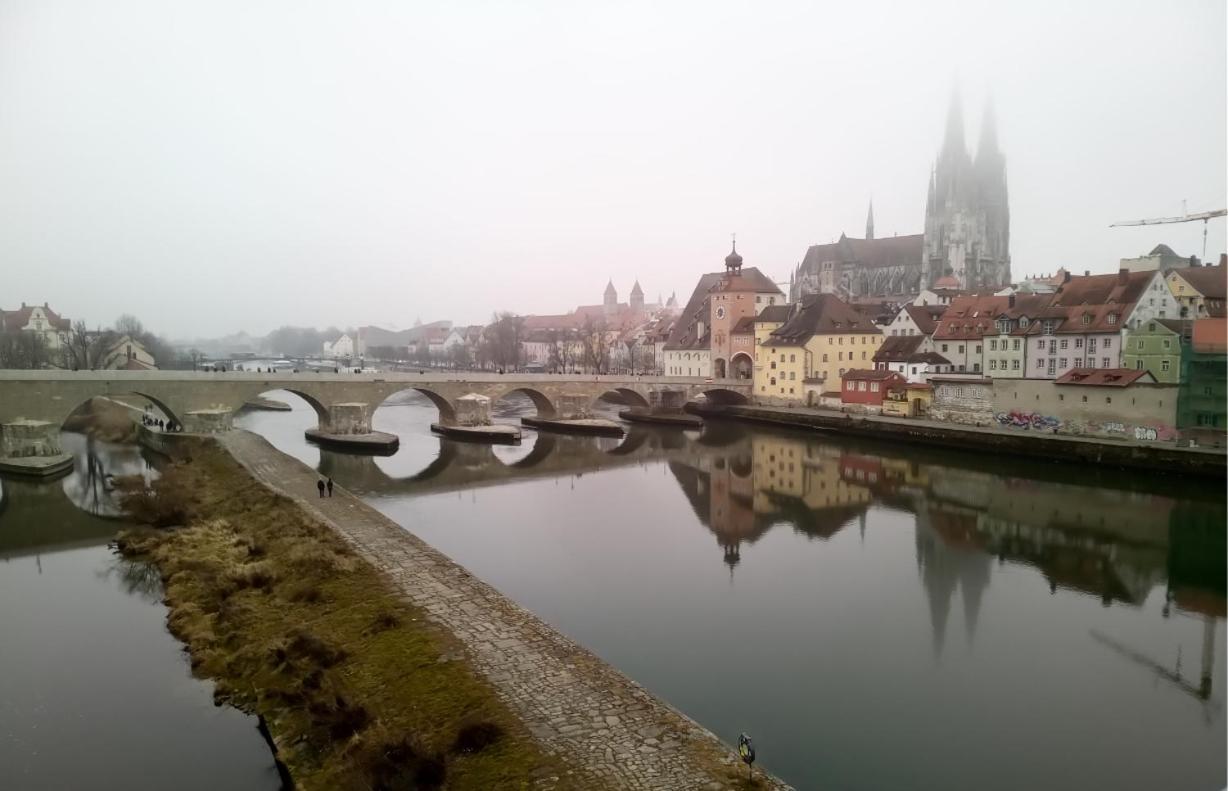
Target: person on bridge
320	486
330	487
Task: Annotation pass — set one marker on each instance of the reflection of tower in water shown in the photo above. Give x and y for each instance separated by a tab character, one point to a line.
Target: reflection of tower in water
949	558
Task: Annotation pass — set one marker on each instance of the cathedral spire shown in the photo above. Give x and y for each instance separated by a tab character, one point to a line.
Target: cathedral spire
953	142
987	143
870	221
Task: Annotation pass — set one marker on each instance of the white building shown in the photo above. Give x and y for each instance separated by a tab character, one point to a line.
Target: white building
40	320
341	348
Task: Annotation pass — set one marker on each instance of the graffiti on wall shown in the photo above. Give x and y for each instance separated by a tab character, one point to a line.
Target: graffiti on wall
1035	421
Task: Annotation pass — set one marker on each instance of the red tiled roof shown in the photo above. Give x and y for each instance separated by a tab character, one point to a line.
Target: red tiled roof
1210	335
1209	281
926	316
745	326
898	348
1104	377
822	314
14	320
869	374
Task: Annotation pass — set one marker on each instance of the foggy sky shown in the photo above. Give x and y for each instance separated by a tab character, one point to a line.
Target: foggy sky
219	166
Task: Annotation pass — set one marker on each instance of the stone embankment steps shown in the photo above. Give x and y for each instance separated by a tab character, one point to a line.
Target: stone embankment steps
576	705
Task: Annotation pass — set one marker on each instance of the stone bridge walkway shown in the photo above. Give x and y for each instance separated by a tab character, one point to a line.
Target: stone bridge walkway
575	704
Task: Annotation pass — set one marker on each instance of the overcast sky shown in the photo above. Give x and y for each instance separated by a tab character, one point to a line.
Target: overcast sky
217	166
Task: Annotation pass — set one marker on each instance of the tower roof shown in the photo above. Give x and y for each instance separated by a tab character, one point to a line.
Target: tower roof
733	260
609	289
636	290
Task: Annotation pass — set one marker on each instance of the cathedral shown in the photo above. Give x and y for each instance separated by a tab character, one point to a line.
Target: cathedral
966	243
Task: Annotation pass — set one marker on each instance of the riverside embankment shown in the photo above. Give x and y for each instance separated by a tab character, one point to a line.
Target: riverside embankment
1156	457
574	722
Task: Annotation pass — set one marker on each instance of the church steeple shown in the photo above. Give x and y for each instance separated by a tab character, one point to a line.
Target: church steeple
611	297
870	221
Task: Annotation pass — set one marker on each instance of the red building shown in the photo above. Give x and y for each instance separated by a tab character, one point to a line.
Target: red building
869	387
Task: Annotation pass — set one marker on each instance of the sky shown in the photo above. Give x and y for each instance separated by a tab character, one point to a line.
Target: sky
225	166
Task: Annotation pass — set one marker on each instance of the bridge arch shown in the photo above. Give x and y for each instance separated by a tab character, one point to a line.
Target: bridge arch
742	366
311	401
170	414
628	396
447	414
545	407
725	397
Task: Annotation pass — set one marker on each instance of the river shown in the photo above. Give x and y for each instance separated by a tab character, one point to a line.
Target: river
94	691
875	616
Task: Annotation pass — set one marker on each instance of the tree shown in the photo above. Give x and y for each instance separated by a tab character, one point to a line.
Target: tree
459	354
502	341
23	350
86	350
595	346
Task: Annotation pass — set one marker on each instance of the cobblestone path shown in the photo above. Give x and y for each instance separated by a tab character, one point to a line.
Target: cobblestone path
576	705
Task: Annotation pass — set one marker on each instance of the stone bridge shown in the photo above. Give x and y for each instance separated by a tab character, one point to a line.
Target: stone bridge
33	404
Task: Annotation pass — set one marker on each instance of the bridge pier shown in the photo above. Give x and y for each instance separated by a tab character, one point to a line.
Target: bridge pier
32	447
573	416
348	428
665	407
472	422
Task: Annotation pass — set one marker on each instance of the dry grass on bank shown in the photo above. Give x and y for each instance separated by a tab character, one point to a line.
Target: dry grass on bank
357	688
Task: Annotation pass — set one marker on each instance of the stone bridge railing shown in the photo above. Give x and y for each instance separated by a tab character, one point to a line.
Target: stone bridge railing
37	402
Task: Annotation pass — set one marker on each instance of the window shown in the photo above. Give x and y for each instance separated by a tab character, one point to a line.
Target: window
773	365
1023	321
1085	399
863	355
1112	318
978	348
1139	345
1061	363
873	387
944	347
861	386
1015	345
993	345
840	340
1048	327
1014	365
1002	364
1040	363
1078	362
1105	362
792	358
840	356
825	358
1108	399
792	376
961	348
1163	364
1040	344
849	385
1063	344
1078	343
1107	343
1168	344
1087	318
1138	364
773	381
993	365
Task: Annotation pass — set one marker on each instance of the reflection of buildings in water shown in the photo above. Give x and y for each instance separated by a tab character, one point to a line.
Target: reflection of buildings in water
37	518
950	557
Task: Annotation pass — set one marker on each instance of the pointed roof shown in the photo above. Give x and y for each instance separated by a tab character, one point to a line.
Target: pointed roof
870	221
953	140
636	290
609	289
987	143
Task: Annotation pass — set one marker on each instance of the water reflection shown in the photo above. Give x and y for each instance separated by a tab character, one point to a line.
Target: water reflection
94	691
882	616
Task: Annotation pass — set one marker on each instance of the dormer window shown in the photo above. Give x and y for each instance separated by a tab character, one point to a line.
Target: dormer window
1048	326
1112	318
1004	326
1023	322
1087	318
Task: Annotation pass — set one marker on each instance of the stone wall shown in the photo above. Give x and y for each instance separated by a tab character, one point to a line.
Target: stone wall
968	402
1145	412
23	439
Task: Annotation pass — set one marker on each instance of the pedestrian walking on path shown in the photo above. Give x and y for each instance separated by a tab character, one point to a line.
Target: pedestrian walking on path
320	486
330	487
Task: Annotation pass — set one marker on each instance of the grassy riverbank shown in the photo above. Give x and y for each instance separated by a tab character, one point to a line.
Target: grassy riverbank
358	689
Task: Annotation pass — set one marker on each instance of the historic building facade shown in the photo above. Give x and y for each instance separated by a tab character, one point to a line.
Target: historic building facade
967	219
966	243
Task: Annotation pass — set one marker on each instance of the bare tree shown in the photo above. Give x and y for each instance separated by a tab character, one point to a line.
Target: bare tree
595	346
86	350
23	350
502	341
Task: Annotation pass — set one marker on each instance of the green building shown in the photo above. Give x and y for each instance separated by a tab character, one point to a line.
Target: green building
1159	346
1202	402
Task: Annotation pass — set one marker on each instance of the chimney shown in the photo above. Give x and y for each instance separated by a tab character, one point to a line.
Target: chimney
1010	301
1123	276
1087	273
1065	277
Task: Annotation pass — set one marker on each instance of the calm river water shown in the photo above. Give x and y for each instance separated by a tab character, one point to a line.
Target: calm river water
875	616
94	691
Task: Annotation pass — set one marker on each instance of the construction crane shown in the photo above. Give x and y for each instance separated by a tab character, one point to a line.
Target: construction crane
1205	216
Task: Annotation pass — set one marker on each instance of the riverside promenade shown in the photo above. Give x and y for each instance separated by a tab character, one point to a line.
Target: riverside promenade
1127	454
578	707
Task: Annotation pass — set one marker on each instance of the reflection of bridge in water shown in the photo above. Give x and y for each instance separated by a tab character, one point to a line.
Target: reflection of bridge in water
462	465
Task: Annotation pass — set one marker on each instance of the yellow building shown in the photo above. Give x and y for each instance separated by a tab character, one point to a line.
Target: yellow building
810	352
1199	290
